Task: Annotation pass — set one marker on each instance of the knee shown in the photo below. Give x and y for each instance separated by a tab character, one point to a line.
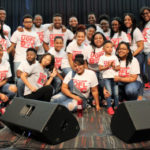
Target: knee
131	92
13	88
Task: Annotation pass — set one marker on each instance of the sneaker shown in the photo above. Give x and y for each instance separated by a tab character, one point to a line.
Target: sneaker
110	111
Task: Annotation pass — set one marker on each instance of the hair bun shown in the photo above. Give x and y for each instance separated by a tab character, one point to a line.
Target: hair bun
81	27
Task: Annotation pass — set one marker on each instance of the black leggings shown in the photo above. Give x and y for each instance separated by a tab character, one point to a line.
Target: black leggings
42	94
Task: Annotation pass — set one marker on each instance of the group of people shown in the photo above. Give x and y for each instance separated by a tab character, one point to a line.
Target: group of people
104	63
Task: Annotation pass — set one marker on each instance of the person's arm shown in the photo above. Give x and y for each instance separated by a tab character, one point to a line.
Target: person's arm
52	75
70	60
46	46
3	97
19	73
11	48
3	82
68	93
94	91
101	68
131	78
24	76
140	47
60	76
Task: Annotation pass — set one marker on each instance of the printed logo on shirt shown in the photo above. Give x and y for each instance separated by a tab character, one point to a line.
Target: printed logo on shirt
74	53
81	85
41	36
42	79
129	37
145	34
124	72
94	57
4	44
27	41
52	36
3	74
116	41
58	61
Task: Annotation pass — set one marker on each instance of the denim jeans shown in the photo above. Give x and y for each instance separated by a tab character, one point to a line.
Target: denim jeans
56	84
20	85
64	100
5	89
129	91
16	65
66	70
112	87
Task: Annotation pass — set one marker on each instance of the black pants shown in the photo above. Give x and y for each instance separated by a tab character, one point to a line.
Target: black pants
42	94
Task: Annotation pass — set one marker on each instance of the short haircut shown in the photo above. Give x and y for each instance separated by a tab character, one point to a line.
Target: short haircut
107	41
27	16
79	58
57	15
58	37
2	8
91	26
38	15
32	50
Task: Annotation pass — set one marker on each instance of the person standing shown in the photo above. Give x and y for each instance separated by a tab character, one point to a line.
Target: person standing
21	41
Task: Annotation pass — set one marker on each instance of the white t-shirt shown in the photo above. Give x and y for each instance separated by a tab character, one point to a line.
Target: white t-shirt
109	73
132	68
83	82
107	34
50	35
24	40
137	36
25	66
40	31
5	71
93	57
74	49
37	76
146	34
5	44
116	39
7	29
61	58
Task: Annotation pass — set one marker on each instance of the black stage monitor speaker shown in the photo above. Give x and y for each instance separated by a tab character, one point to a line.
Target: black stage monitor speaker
51	123
131	121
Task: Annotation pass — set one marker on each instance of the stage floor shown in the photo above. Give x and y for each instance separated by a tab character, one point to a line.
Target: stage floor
95	133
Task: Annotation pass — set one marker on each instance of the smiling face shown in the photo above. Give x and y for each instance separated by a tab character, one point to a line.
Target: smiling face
104	24
123	51
79	69
128	21
115	25
2	15
91	19
31	57
57	22
90	33
28	23
108	48
146	15
98	40
73	22
80	37
46	60
38	21
58	44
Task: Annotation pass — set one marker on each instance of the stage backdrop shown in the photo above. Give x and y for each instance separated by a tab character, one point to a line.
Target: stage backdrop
80	8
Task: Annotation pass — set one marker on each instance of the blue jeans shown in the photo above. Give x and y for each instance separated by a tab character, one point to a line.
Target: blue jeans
129	91
64	100
56	84
5	89
20	85
16	65
66	70
112	87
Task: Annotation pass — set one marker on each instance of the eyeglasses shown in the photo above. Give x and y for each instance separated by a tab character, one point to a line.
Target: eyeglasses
146	13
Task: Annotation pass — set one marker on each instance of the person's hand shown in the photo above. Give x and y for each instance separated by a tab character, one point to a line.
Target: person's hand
33	89
78	98
106	93
3	97
116	78
20	29
98	108
64	28
51	27
54	73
